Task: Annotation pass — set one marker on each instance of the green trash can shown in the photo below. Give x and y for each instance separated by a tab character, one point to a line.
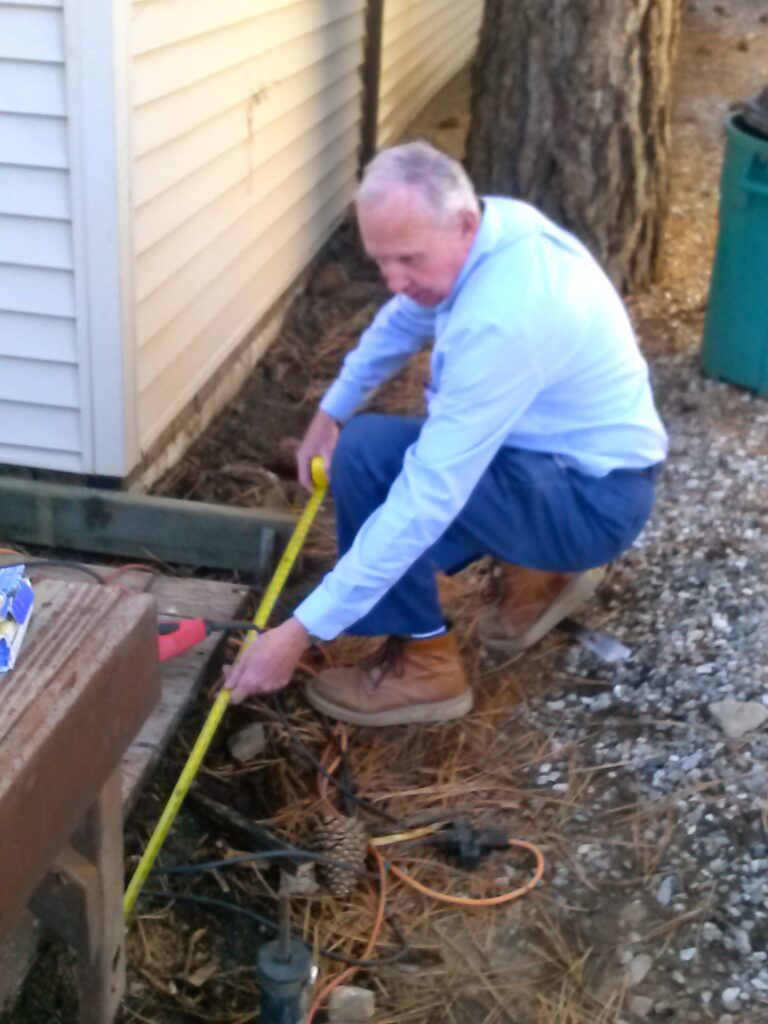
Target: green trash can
735	343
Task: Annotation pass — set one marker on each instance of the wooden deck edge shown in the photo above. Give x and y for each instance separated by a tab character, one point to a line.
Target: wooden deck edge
182	680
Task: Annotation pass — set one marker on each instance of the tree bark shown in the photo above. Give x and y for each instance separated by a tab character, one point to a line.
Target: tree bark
571	112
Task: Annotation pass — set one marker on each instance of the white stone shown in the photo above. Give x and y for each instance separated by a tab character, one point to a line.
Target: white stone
738	717
302	883
743	942
246	744
350	1004
641	1006
639	967
664	892
730	998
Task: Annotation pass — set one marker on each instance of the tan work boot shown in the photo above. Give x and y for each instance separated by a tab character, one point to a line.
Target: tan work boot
530	603
406	681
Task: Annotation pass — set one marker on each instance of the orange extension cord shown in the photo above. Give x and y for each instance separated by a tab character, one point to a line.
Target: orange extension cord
330	764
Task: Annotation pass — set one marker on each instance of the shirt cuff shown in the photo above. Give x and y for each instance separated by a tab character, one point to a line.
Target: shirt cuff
341	400
318	615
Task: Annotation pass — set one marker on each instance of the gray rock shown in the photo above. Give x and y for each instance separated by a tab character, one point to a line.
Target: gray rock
639	968
738	717
350	1004
742	941
691	761
302	883
730	998
641	1006
666	891
248	743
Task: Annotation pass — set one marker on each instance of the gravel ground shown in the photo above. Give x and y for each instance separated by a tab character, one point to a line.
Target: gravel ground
690	600
651	792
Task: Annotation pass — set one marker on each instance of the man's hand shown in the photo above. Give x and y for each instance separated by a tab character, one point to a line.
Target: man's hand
269	662
320	439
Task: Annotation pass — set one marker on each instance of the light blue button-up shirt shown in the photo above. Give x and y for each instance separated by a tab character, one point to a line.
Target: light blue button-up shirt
533	349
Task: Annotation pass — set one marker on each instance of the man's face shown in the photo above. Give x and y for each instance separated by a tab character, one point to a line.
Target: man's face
416	256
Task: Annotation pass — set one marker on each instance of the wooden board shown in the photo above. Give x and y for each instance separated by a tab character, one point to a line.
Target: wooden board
86	679
140	526
181	679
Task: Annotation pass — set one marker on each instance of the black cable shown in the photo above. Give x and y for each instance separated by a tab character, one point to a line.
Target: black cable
342	958
53	562
290	853
360	801
346	778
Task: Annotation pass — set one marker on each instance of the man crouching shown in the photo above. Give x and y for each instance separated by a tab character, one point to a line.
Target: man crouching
541	444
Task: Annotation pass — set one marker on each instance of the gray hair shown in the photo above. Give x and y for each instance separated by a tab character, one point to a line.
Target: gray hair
440	181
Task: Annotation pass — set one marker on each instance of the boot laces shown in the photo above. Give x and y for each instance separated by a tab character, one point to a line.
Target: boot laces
390	657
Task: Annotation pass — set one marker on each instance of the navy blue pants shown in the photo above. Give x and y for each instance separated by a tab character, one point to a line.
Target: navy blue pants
528	508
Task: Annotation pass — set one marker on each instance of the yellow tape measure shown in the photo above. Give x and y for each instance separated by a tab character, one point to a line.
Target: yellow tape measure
195	759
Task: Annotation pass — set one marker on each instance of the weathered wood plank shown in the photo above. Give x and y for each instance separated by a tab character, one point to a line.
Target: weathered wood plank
86	679
182	677
140	526
181	680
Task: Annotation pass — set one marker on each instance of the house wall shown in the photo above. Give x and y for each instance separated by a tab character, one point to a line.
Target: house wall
41	422
66	391
424	44
168	168
245	128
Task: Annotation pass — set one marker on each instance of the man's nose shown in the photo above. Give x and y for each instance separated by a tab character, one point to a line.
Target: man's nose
395	278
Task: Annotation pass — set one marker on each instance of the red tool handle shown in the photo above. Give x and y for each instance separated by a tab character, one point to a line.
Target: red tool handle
188	633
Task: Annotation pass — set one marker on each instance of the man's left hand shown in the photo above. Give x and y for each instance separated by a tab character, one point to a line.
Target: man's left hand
269	662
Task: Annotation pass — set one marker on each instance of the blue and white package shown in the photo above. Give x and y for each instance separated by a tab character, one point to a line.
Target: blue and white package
16	602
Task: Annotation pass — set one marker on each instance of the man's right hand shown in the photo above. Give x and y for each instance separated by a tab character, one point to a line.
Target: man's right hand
320	439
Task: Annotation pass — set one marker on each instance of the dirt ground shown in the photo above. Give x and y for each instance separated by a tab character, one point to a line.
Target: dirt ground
548	957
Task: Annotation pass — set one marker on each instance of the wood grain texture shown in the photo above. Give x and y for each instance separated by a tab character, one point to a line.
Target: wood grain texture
181	679
86	680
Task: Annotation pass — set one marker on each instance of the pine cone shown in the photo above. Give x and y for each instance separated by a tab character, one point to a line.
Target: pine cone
345	839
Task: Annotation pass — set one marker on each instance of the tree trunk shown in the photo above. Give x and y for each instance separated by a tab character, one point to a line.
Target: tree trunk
570	111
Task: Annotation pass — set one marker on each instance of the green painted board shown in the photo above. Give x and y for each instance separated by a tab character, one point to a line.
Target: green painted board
141	526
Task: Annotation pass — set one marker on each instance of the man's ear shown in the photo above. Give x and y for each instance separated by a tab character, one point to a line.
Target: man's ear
469	221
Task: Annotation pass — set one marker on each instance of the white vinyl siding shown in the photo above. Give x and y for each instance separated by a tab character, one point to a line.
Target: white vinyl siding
245	130
40	392
168	168
424	44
